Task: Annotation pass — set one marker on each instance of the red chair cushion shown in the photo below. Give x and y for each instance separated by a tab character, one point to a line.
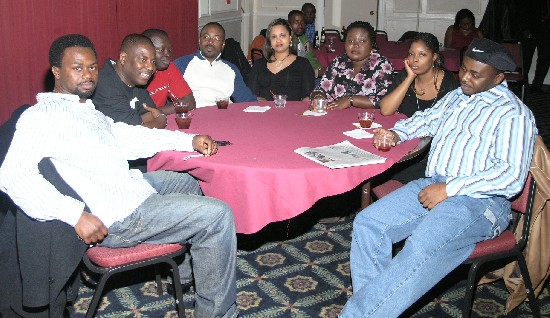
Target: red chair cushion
110	257
386	187
506	241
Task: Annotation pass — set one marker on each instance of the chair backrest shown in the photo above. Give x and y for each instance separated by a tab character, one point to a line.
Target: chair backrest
233	53
515	49
331	33
522	203
381	36
256	55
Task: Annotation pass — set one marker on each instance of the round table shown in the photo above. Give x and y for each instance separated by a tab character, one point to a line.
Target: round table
259	175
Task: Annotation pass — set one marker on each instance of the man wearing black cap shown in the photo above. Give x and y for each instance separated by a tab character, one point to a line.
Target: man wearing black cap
483	138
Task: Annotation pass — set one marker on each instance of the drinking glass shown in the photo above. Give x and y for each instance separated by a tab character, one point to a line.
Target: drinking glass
365	119
280	101
383	141
183	120
222	102
181	106
320	105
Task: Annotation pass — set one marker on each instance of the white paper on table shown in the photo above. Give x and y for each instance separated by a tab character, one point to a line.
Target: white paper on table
257	109
373	125
312	113
358	134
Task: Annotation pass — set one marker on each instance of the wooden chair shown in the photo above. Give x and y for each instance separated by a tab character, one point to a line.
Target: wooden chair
500	248
110	261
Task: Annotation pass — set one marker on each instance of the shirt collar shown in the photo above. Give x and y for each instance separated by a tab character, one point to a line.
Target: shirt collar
489	96
63	97
200	56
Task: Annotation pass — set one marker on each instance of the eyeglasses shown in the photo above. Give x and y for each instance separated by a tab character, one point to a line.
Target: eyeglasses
207	37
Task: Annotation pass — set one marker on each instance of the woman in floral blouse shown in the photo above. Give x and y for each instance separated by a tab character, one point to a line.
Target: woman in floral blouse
359	78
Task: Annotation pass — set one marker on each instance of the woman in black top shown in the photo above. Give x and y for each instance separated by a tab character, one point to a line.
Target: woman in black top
418	86
422	82
282	72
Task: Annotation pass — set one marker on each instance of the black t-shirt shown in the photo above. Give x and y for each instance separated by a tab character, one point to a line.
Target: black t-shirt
296	80
117	100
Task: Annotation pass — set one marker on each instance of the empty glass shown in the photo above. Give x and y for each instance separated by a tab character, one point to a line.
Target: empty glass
320	105
280	101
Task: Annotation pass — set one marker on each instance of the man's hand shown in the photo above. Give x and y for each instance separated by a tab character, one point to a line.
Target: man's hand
205	145
433	194
155	118
90	228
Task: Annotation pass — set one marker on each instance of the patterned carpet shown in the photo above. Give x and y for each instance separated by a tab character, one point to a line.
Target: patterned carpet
308	275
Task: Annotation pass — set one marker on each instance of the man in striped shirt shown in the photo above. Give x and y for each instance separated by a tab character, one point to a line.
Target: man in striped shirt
120	207
483	138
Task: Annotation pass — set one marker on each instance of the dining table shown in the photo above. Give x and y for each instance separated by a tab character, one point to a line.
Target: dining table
258	173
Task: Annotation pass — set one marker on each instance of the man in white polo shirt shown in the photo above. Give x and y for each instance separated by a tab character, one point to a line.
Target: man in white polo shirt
208	75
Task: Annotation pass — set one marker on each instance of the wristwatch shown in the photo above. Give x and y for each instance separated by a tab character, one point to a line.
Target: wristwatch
350	98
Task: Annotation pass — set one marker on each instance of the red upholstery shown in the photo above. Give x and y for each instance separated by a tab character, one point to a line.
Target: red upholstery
505	242
111	257
386	187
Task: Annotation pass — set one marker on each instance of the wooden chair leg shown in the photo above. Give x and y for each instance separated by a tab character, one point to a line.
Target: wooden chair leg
366	197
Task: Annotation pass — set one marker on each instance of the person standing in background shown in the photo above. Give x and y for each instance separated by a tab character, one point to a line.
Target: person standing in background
309	14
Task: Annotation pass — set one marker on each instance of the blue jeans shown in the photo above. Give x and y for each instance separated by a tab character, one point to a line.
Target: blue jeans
179	214
437	241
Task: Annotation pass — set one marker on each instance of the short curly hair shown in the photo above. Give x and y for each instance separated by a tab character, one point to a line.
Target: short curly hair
365	26
57	49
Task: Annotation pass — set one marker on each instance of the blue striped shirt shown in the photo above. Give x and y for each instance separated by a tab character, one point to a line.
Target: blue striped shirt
482	143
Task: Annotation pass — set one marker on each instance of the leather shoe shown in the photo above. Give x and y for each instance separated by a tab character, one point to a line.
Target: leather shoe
185	287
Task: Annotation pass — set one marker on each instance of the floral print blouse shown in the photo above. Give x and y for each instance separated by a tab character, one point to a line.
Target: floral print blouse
372	81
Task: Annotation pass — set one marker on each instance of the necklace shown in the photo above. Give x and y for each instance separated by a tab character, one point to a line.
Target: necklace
422	91
280	62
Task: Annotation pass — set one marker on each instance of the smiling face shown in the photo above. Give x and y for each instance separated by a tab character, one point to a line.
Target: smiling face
476	77
137	64
163	50
279	38
421	58
297	23
358	44
78	72
211	42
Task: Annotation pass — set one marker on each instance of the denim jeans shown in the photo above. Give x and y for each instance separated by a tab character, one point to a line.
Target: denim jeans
179	214
437	241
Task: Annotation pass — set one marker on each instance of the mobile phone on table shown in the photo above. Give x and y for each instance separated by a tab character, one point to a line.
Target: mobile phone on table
223	142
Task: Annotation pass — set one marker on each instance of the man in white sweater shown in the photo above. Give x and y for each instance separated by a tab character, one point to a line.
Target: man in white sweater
121	207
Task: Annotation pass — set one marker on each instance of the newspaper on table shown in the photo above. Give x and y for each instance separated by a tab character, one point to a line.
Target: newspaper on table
340	155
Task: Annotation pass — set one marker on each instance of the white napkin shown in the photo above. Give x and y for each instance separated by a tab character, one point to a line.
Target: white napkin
358	134
374	125
312	113
257	109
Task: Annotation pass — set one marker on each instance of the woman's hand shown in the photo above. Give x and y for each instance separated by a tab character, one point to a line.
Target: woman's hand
409	70
340	103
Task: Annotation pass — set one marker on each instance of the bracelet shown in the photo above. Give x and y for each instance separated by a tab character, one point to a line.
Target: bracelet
350	99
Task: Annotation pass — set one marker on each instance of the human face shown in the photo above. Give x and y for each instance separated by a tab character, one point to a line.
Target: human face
309	14
279	39
358	45
297	24
78	72
138	64
163	51
421	58
476	77
466	24
211	42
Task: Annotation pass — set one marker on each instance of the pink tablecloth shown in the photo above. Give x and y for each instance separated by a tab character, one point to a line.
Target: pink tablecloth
259	175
